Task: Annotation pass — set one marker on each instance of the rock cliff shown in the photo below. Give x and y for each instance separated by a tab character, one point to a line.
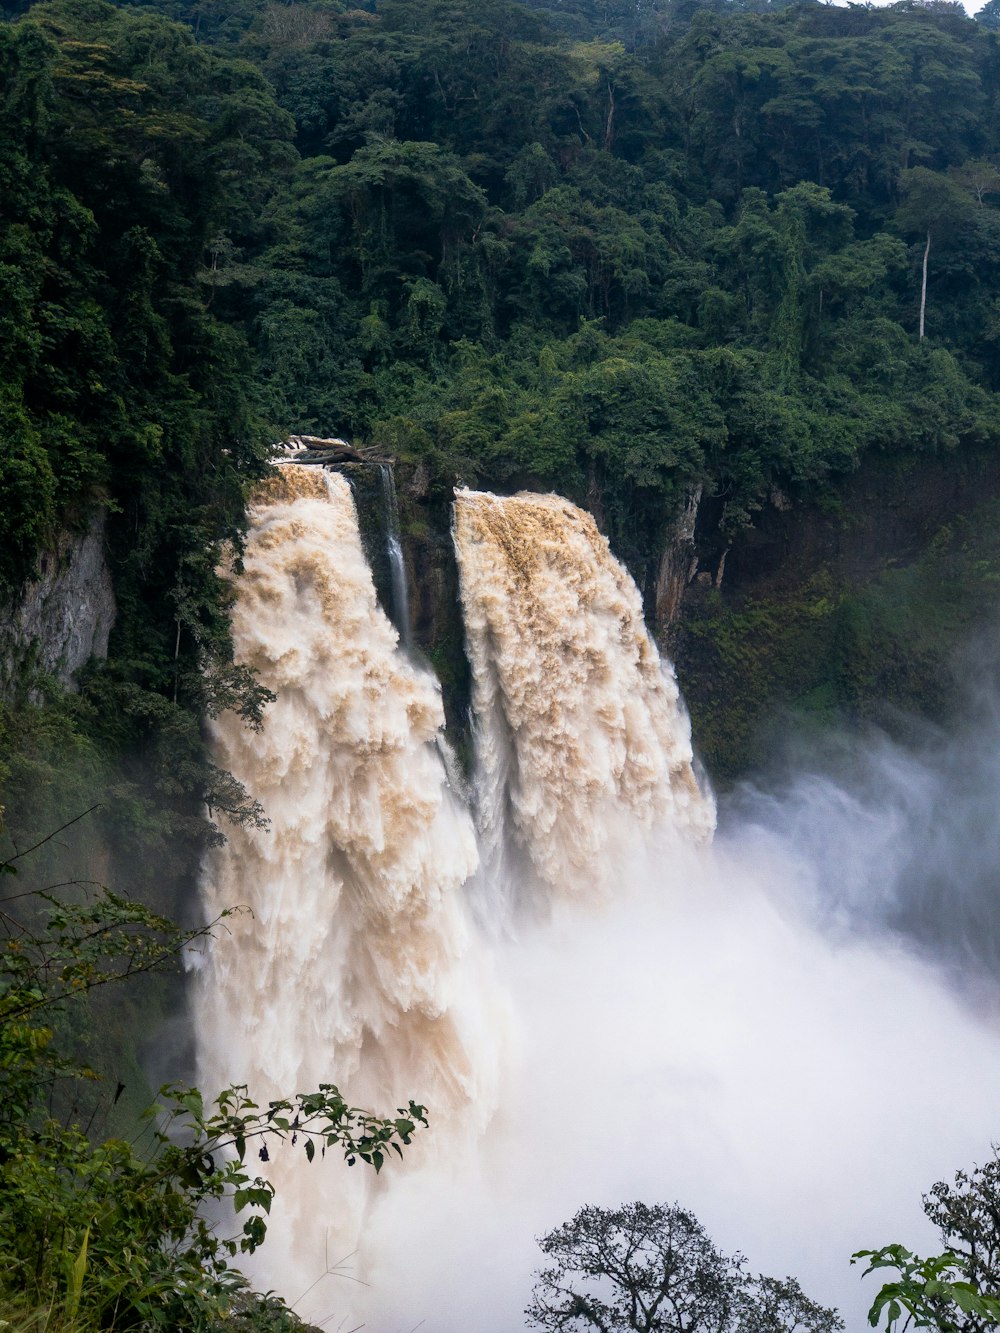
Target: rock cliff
64	614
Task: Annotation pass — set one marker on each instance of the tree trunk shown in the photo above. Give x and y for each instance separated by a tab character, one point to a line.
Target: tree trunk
923	285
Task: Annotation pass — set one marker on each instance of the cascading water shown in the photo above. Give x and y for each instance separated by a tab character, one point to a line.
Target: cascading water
682	1023
350	965
566	680
394	550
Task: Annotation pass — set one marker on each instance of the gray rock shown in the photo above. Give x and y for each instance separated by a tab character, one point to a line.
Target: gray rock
64	614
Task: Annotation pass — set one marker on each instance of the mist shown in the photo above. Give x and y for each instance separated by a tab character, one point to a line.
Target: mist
706	1040
895	838
789	1029
792	1032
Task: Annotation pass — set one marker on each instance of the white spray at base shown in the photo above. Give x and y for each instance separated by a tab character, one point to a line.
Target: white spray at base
681	1028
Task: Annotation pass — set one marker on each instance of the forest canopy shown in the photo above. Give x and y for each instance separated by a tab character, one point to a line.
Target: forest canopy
625	248
630	251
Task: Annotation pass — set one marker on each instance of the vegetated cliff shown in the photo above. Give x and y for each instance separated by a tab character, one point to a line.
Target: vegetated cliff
622	301
855	606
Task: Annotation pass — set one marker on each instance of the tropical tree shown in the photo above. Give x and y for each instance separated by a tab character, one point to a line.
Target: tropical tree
957	1291
934	206
106	1233
653	1268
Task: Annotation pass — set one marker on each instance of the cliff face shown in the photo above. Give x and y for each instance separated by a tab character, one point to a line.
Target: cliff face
857	607
64	614
678	565
437	626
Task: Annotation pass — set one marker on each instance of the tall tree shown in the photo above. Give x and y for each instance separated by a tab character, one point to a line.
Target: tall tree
934	206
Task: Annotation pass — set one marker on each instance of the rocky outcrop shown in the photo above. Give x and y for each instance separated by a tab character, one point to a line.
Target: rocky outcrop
678	564
64	614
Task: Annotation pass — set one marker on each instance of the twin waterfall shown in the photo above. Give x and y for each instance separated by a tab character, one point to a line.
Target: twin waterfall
357	959
596	1000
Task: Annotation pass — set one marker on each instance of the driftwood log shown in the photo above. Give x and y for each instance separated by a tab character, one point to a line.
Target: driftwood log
319	451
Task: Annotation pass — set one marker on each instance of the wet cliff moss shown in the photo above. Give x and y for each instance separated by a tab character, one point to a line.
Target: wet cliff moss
426	491
856	610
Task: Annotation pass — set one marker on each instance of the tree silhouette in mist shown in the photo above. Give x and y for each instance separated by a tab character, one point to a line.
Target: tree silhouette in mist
654	1268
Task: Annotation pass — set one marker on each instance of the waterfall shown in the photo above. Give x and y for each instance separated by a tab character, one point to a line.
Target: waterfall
661	1016
394	550
351	964
584	750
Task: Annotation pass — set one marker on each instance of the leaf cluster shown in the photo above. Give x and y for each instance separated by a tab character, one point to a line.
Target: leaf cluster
929	1293
113	1234
957	1291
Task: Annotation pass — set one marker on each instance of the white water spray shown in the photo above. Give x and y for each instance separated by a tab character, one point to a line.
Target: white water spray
685	1027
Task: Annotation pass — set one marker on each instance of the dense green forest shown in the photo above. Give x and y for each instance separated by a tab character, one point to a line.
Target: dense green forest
621	250
612	250
625	250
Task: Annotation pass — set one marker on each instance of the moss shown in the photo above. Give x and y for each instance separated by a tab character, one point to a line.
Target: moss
737	662
833	646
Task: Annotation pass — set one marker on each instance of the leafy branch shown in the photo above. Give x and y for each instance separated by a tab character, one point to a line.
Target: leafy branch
212	1162
929	1292
117	1239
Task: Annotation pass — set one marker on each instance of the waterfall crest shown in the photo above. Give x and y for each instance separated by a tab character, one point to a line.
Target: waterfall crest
351	968
582	740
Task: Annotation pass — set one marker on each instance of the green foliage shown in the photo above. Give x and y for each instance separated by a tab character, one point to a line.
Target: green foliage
125	149
493	180
618	250
929	1293
957	1291
103	1235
